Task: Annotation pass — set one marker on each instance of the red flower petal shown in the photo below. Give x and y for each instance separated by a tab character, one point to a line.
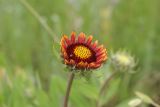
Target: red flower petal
94	45
63	43
65	55
105	58
92	64
73	37
81	38
68	42
96	66
100	52
100	60
66	61
100	48
102	56
71	62
81	65
89	40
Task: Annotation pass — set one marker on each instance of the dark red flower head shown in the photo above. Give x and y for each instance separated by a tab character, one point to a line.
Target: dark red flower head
81	53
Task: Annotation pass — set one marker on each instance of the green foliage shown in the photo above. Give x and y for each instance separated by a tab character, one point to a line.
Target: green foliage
31	71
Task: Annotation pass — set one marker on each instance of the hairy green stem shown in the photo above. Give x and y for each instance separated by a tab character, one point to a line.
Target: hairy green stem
105	87
71	78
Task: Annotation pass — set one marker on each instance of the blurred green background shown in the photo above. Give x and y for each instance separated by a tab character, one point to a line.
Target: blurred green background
31	71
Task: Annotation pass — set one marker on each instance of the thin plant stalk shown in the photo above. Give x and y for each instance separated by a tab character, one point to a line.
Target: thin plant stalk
43	23
105	87
40	19
71	78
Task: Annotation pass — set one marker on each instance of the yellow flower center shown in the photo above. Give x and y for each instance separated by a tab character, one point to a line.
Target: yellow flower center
82	52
